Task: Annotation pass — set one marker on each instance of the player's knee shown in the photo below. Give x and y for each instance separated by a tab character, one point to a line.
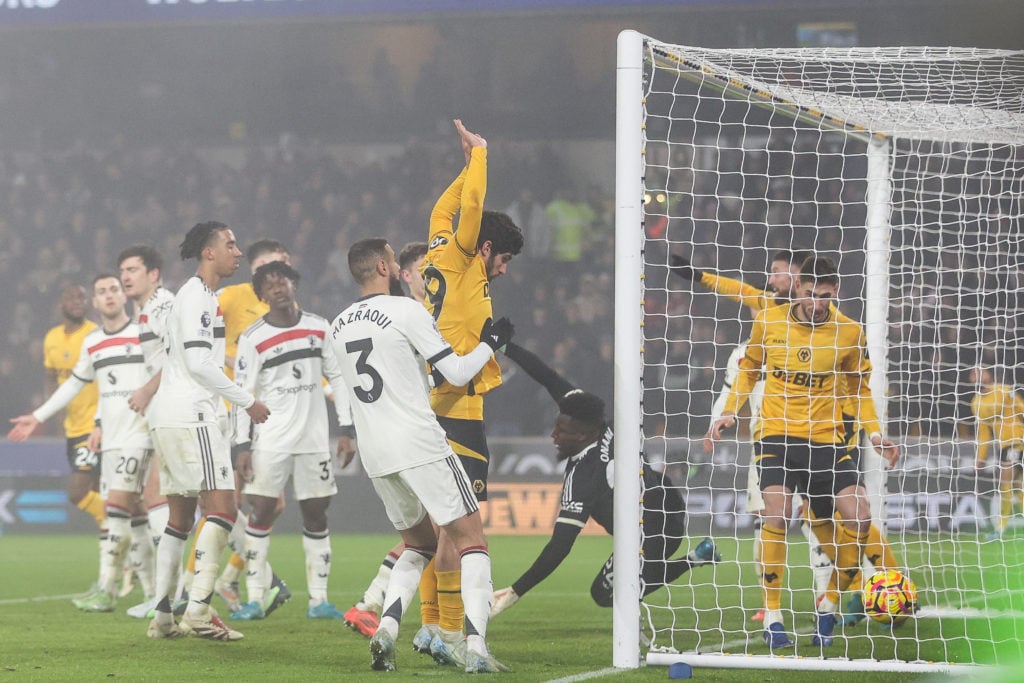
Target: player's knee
315	520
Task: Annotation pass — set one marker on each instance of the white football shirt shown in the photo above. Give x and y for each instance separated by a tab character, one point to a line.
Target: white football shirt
193	375
282	366
732	369
152	319
375	341
115	361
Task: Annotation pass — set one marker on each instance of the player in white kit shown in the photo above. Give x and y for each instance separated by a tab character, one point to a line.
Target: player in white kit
280	360
403	448
112	356
195	458
140	266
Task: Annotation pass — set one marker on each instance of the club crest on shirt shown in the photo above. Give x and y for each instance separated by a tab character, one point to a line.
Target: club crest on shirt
804	355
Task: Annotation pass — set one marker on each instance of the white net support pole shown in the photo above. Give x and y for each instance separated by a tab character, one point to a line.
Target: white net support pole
876	309
628	372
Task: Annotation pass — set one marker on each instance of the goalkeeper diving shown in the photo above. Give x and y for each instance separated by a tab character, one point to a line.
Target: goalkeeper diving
583	437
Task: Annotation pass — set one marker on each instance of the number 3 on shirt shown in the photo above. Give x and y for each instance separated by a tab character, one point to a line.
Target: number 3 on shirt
363	347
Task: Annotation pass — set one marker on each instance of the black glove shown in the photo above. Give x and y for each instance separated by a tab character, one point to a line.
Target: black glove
497	333
682	268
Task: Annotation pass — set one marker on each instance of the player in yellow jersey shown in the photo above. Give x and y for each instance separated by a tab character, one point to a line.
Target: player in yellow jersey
61	347
458	270
815	360
818	525
999	415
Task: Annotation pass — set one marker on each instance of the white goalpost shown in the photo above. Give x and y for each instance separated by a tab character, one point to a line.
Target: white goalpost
904	166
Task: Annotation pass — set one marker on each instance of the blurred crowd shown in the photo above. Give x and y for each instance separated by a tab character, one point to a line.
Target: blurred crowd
955	265
955	287
64	216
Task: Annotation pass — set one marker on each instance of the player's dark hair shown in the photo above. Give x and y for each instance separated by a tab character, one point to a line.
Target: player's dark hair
410	253
198	238
363	257
279	268
261	247
800	256
583	407
104	276
819	270
149	256
504	235
794	257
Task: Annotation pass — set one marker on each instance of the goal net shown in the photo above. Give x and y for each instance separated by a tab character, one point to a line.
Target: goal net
905	167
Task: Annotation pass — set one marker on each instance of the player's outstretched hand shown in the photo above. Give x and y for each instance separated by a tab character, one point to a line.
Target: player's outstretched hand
258	411
469	140
502	600
714	434
683	268
497	333
23	427
886	448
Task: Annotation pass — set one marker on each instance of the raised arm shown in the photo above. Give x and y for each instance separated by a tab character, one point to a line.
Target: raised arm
464	196
753	298
556	385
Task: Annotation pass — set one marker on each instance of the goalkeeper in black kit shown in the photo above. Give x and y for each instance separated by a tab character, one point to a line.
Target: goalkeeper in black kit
583	437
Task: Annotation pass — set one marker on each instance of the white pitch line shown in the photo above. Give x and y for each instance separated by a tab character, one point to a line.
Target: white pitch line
586	675
40	598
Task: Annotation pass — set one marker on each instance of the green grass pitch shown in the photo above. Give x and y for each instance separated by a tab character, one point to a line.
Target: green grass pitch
555	632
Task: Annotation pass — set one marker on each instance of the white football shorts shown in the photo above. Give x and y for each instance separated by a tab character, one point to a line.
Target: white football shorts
124	469
312	474
440	489
193	459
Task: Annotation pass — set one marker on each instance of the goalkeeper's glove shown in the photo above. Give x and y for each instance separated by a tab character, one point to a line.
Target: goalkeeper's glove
681	267
497	333
502	600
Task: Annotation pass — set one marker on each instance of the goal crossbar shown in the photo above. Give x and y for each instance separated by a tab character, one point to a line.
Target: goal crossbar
862	117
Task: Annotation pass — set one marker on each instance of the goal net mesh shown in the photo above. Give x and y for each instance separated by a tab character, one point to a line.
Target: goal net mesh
747	152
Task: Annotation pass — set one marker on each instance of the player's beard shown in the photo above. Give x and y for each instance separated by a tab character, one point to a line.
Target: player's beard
395	287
